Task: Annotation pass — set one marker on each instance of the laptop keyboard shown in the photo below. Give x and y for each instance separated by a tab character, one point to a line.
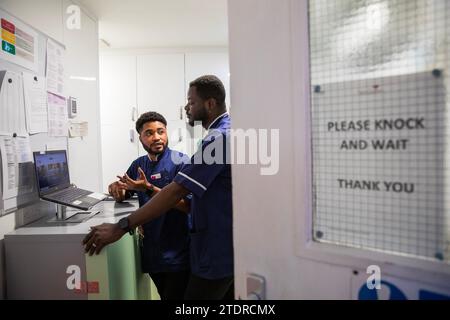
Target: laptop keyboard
69	195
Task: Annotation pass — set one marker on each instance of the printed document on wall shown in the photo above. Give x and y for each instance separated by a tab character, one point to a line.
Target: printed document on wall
78	129
10	167
35	103
23	149
57	116
12	106
55	68
19	42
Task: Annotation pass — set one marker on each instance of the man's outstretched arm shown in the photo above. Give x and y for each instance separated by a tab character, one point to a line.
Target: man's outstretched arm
143	185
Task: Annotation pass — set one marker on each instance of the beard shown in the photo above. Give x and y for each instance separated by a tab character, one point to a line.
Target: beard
150	151
198	119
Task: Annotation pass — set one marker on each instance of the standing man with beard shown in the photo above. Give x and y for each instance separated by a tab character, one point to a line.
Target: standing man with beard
208	178
165	252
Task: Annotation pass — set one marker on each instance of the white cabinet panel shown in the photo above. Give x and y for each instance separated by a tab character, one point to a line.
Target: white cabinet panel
216	63
160	84
118	103
117	89
118	152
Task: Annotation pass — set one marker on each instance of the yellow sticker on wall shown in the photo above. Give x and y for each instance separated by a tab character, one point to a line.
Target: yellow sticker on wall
8	36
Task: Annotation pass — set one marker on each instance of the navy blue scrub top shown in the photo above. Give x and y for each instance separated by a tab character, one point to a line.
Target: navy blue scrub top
166	238
211	206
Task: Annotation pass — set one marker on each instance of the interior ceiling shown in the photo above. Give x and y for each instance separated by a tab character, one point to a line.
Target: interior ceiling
161	23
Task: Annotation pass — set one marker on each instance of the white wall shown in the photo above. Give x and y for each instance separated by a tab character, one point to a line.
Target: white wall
270	90
44	15
49	16
82	63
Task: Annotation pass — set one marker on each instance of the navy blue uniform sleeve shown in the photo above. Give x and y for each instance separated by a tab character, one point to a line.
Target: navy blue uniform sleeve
131	170
184	160
197	177
132	173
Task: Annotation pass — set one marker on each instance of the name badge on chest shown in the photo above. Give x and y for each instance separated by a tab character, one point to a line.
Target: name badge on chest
155	176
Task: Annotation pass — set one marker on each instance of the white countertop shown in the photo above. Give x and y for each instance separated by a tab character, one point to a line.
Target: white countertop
110	212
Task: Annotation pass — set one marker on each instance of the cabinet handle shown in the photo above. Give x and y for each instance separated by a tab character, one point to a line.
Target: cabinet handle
134	114
181	113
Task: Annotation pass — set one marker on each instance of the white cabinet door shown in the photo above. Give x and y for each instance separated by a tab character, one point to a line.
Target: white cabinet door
118	114
216	63
160	84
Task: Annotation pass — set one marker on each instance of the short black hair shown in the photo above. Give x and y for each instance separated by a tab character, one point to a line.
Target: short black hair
210	86
149	117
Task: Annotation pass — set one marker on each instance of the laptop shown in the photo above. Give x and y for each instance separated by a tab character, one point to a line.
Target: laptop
52	175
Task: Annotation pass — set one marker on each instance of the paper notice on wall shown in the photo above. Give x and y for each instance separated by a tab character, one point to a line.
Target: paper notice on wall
9	204
35	94
78	129
12	106
55	68
379	154
23	149
57	116
10	167
56	145
19	43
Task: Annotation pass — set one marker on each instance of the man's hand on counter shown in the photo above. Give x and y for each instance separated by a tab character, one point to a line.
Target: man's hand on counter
117	191
100	236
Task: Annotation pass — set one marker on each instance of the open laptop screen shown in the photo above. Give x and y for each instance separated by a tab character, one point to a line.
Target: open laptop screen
52	172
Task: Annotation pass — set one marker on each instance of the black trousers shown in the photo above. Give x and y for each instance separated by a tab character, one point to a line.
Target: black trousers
204	289
171	285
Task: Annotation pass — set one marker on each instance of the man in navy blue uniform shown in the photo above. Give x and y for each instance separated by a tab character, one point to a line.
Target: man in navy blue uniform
208	178
165	252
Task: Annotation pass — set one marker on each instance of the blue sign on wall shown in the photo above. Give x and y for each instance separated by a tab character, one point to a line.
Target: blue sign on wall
396	294
372	294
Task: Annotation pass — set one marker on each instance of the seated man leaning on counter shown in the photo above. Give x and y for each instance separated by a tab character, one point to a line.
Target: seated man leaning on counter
165	251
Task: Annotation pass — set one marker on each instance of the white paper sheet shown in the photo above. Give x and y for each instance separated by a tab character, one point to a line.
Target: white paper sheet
23	149
57	116
55	68
12	106
78	129
10	167
99	196
9	204
56	145
35	103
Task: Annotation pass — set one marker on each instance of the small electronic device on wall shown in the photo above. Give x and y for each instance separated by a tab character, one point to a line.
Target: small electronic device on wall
72	106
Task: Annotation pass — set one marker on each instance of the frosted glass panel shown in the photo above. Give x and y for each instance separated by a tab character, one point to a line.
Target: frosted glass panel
379	75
